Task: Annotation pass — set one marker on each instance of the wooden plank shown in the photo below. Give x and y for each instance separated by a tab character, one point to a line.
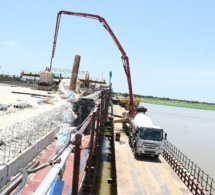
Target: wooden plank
144	175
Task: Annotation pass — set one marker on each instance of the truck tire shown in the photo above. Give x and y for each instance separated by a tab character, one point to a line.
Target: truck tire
129	141
135	153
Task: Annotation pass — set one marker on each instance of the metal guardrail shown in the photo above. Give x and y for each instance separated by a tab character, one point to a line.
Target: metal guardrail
85	169
95	146
190	173
19	136
82	167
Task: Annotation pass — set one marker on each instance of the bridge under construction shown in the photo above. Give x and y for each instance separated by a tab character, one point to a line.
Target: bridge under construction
53	142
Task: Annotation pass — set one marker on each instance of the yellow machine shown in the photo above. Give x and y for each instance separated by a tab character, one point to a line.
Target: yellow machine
125	103
88	80
46	81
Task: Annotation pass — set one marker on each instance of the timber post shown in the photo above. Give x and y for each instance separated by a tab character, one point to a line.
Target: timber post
75	70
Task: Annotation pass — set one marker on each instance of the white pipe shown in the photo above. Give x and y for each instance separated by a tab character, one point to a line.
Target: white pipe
49	179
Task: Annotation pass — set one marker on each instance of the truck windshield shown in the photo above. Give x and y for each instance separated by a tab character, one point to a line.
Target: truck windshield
151	134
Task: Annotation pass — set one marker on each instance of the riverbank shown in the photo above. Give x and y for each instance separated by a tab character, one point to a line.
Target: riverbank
180	103
190	130
172	102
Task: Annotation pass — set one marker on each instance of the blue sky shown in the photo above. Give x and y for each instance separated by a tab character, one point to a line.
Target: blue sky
170	44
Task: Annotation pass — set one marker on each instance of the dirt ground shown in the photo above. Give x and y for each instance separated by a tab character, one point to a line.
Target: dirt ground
16	93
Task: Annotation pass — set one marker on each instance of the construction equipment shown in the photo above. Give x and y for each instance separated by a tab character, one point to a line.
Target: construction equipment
46	81
87	80
125	103
45	74
144	136
107	27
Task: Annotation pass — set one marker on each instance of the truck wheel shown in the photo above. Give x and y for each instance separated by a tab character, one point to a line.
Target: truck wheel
123	125
135	154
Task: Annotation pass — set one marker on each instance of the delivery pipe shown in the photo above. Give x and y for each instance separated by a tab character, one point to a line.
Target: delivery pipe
49	179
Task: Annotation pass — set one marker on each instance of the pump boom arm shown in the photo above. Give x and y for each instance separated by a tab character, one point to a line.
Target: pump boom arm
124	57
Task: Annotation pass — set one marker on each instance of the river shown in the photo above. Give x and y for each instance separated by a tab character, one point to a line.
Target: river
192	131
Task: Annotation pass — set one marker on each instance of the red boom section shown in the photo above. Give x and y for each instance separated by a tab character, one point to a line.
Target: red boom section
124	57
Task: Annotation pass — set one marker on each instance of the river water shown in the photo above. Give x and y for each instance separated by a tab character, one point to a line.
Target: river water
192	131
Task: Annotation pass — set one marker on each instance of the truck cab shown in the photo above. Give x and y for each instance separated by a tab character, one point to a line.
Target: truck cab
144	136
149	140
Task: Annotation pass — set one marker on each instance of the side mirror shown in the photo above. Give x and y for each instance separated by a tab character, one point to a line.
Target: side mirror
165	135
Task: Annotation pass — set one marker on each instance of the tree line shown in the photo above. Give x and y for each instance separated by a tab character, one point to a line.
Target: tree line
126	95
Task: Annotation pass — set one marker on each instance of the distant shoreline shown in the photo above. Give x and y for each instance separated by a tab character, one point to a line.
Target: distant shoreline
170	102
179	103
144	99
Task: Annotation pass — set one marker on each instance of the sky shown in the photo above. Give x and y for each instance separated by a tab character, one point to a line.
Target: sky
170	43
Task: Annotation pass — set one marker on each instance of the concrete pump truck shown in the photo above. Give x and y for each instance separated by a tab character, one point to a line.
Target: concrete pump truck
144	137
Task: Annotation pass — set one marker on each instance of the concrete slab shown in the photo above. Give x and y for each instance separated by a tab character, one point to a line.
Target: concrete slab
12	116
17	115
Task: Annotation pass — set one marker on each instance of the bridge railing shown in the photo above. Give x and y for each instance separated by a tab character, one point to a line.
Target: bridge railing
82	173
207	183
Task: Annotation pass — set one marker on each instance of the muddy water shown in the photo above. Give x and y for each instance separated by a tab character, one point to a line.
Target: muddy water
191	130
105	171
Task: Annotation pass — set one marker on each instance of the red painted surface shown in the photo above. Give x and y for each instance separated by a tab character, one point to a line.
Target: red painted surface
47	154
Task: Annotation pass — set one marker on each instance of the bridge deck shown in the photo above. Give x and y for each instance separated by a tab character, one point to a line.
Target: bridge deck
144	175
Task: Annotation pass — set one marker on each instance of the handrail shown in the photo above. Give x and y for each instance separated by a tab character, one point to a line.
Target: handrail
97	114
49	179
206	182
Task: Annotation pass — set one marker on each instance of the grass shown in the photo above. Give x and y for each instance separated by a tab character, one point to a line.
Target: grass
176	103
181	103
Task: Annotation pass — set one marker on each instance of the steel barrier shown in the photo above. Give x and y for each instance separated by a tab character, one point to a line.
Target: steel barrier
193	176
86	163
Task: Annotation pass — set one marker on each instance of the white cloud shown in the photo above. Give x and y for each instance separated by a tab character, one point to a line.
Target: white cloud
10	43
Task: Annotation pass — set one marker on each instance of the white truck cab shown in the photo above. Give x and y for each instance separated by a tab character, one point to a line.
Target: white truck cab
145	137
